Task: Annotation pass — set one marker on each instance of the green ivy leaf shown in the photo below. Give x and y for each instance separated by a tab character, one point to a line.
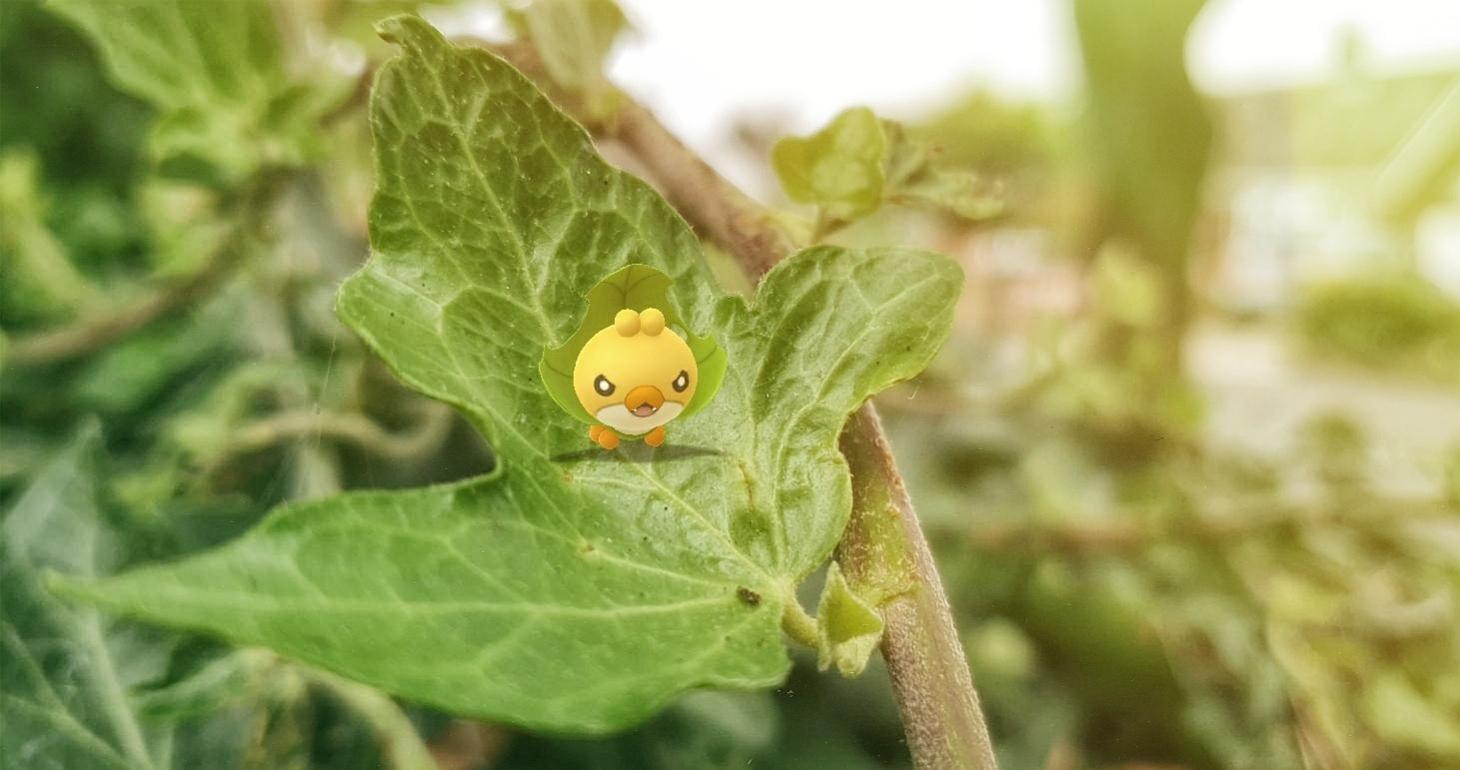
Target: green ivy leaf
635	287
572	589
215	72
840	167
915	178
64	672
860	161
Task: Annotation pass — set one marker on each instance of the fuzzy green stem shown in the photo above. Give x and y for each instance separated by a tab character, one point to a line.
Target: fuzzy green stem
798	623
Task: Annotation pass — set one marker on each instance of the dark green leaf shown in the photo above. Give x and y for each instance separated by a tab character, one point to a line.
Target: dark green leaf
571	590
225	681
702	730
41	283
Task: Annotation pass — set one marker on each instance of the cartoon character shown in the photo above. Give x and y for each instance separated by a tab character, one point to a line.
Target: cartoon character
634	377
626	372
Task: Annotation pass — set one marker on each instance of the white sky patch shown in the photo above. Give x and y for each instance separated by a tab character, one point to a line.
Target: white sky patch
703	65
1241	45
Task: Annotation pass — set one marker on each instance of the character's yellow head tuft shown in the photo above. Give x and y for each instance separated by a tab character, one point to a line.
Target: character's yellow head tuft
636	374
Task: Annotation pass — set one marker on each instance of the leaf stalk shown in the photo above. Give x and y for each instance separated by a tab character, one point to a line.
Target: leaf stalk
798	623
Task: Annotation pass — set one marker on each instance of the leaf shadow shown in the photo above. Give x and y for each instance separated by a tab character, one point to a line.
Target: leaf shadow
670	453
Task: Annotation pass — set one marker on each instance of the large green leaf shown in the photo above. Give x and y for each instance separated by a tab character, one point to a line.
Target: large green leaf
215	71
572	589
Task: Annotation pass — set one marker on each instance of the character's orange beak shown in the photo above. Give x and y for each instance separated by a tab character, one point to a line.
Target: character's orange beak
644	400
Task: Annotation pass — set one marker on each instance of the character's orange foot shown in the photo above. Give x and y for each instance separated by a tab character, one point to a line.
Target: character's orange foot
603	436
655	437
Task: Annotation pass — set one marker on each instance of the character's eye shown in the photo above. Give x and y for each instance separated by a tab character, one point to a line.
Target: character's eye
681	382
602	385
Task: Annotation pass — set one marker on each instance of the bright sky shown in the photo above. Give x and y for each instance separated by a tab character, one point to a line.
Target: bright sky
700	64
813	57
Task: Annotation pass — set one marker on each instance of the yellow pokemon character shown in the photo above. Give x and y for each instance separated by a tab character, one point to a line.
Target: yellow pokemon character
626	372
634	377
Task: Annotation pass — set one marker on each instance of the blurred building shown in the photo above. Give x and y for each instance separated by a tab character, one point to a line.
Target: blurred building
1356	175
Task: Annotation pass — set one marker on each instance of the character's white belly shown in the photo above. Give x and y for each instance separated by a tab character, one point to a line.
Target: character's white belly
622	420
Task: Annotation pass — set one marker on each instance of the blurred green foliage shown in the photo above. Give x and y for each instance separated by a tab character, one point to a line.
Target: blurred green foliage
1388	323
985	131
227	102
70	155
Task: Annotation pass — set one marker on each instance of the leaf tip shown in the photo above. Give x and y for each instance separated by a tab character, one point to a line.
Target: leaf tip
409	31
70	587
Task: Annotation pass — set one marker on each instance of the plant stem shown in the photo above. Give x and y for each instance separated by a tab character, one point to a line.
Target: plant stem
940	711
402	745
410	445
882	545
710	203
113	694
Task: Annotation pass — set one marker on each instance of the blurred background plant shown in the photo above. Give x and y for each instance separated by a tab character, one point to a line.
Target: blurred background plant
1190	464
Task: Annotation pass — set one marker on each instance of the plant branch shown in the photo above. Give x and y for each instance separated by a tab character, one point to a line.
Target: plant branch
885	550
715	207
103	327
940	711
350	427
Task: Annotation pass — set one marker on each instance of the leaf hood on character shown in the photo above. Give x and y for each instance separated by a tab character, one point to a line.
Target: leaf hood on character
635	287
